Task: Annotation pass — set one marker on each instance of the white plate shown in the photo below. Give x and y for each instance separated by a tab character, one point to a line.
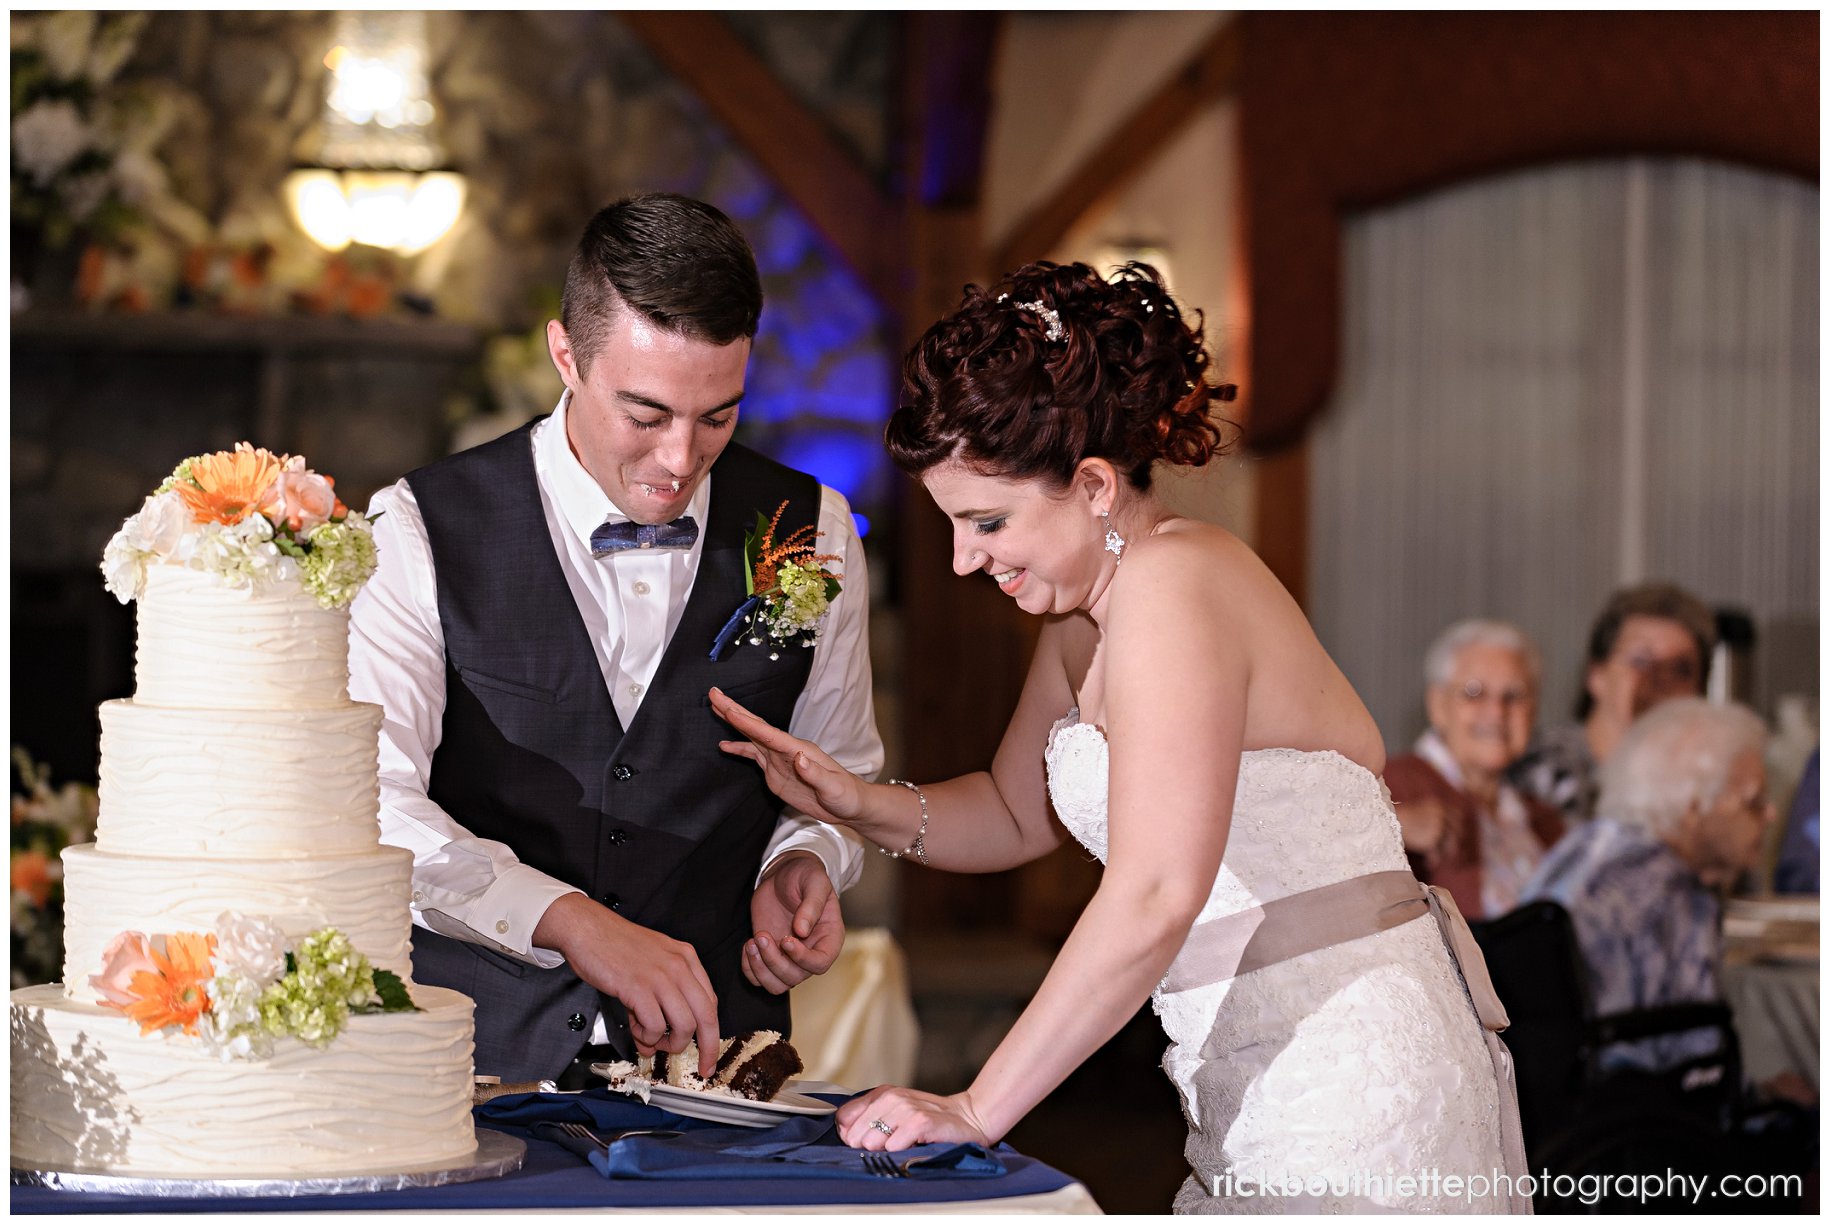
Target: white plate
714	1108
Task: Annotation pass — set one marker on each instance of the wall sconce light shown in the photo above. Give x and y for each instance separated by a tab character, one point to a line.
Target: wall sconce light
377	180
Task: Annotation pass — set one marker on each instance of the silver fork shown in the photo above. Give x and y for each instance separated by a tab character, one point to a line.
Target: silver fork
581	1132
883	1165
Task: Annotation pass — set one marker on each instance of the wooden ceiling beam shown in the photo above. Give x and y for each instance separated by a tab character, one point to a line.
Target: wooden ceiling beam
787	139
1211	72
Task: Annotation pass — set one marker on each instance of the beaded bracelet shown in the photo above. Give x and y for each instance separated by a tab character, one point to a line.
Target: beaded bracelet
916	848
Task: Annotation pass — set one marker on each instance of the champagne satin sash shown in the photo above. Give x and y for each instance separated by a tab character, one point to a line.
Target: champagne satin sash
1224	948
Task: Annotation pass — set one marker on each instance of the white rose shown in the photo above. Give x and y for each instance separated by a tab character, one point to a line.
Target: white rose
160	524
124	566
47	137
251	947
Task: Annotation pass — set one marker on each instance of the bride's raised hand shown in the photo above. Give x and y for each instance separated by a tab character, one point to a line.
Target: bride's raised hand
798	771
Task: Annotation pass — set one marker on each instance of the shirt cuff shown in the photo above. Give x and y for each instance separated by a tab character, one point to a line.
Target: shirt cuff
505	916
844	864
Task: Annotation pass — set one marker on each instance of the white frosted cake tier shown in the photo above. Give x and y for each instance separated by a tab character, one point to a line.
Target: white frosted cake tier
392	1093
364	895
205	645
238	783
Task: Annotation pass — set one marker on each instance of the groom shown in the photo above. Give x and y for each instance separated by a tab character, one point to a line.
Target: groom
588	866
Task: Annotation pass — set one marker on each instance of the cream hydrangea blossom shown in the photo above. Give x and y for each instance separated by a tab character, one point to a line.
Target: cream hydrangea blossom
242	555
232	1028
341	559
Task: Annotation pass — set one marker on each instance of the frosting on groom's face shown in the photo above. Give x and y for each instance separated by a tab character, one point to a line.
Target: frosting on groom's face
651	411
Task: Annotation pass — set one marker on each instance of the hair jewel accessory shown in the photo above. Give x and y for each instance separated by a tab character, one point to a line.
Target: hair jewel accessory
1050	317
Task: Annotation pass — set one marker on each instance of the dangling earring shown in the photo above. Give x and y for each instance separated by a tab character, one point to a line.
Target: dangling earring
1115	544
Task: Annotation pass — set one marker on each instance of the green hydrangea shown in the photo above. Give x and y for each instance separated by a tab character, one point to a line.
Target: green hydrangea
180	475
803	600
341	559
312	1001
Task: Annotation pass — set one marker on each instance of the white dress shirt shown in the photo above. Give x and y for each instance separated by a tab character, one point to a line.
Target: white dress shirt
476	889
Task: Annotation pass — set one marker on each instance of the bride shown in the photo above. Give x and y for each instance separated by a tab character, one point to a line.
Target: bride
1181	721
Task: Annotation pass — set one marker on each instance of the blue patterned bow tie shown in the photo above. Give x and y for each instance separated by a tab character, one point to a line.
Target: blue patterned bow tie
615	537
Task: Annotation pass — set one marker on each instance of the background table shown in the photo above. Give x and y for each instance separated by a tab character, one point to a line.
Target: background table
1770	976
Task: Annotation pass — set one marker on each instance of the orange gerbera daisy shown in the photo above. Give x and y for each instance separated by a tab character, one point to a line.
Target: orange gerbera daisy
174	995
228	486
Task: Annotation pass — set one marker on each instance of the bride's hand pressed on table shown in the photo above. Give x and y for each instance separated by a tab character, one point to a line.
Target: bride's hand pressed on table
912	1117
798	771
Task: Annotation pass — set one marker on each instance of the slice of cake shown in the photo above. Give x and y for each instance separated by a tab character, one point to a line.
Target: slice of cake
754	1064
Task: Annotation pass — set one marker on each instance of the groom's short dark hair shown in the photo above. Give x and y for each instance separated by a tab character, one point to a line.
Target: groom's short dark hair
678	262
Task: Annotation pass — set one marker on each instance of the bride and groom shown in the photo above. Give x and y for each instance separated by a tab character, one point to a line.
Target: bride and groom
586	836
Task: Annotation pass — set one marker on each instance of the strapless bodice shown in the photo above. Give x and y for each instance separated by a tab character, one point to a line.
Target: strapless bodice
1301	818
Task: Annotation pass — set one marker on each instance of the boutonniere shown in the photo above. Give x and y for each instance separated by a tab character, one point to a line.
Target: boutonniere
790	589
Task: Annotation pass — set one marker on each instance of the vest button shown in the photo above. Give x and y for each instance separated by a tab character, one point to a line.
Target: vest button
622	773
617	837
576	1021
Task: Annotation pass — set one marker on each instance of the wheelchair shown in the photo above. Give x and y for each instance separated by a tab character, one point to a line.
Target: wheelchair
1584	1120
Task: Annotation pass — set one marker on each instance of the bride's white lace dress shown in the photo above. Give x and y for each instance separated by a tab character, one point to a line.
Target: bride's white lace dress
1340	1067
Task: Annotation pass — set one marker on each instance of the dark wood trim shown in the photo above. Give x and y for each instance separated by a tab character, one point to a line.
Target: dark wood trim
790	142
951	55
1280	515
1343	111
1211	72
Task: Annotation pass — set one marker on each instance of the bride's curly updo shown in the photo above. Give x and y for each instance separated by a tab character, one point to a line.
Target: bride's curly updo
1123	379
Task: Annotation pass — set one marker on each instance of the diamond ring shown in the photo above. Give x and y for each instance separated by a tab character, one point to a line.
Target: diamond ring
881	1126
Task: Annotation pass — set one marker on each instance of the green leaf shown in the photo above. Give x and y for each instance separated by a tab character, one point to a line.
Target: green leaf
832	588
393	993
292	964
752	548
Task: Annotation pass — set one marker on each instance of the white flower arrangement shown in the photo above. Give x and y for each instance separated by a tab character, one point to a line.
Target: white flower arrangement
83	143
252	519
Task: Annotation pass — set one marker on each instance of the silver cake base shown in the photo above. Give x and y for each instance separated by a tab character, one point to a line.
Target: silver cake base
496	1154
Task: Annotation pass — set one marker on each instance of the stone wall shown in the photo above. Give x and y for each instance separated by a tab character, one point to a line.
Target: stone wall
549	116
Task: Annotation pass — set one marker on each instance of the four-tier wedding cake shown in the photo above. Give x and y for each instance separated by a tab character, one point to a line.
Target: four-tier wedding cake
237	998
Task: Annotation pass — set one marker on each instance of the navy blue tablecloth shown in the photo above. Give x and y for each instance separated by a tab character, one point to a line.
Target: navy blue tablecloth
551	1177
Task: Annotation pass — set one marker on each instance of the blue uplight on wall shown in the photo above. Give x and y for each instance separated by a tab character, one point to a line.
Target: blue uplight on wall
848	461
821	379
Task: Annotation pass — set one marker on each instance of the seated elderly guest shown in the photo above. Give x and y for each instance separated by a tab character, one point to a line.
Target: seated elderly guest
1683	806
1465	828
1650	644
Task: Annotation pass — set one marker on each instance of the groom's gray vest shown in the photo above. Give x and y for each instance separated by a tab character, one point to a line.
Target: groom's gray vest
651	820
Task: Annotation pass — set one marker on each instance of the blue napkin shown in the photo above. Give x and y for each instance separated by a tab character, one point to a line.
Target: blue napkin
797	1148
800	1147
